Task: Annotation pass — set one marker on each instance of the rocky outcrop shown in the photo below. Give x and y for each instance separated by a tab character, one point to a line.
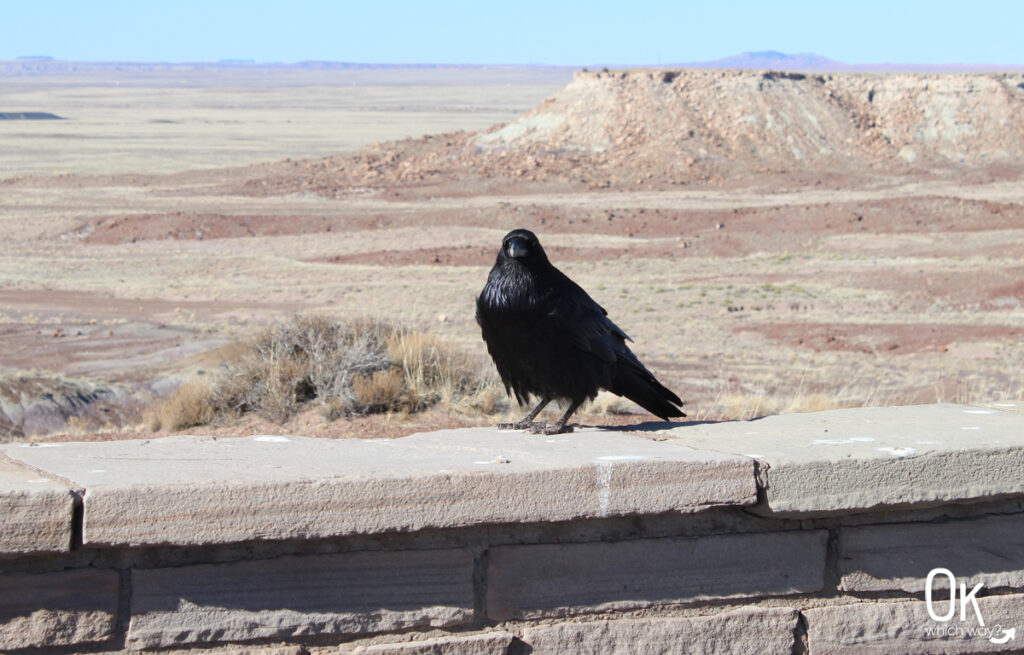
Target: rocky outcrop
779	119
33	404
656	128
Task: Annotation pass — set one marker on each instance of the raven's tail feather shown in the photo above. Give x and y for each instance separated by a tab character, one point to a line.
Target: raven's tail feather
641	387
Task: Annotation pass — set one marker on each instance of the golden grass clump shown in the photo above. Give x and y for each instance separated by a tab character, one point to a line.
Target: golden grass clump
435	373
380	391
189	405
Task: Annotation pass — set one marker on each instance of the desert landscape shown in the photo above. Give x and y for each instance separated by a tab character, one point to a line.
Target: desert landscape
772	241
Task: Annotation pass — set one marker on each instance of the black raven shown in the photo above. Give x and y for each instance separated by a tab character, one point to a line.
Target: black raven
549	339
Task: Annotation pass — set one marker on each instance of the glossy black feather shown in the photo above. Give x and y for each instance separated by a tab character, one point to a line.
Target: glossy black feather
549	339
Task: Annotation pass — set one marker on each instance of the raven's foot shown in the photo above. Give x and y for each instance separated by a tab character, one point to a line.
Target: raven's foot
518	425
550	428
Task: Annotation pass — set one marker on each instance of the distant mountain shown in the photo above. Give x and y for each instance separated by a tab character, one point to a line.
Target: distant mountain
808	61
29	116
761	60
772	59
32	66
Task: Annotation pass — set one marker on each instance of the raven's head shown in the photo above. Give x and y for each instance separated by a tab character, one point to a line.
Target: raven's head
522	247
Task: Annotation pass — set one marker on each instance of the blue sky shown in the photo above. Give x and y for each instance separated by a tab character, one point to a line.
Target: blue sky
637	32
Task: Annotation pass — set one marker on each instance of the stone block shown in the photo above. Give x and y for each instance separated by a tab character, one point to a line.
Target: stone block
905	628
35	511
762	631
899	556
301	596
201	490
864	459
252	649
488	643
57	609
560	579
245	650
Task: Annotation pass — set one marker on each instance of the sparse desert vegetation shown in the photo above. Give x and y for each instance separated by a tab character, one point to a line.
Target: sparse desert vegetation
360	367
761	264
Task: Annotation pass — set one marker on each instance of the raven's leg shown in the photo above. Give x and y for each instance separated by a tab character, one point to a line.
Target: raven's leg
527	421
559	427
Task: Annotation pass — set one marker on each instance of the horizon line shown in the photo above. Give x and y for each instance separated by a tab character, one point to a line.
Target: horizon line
824	65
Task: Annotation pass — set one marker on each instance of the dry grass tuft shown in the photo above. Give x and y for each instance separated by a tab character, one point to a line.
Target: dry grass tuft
189	405
360	367
434	373
746	406
608	404
381	391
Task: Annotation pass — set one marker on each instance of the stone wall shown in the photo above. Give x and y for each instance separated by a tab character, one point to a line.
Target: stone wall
807	533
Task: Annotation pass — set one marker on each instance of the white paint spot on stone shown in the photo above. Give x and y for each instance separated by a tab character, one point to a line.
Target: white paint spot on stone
754	456
897	452
272	439
621	458
604	486
1005	404
839	442
970	427
38	481
979	411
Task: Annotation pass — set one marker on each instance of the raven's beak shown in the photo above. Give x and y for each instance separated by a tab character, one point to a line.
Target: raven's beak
516	249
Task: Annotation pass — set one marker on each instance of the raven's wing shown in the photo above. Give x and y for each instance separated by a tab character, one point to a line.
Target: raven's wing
587	327
584	323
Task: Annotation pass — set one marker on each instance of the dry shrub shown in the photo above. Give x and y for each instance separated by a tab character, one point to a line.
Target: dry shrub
189	405
301	359
359	367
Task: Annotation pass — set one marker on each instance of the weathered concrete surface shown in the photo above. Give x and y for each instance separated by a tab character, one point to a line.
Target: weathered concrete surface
489	643
905	628
900	555
561	579
201	490
763	631
349	593
860	459
57	609
35	511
